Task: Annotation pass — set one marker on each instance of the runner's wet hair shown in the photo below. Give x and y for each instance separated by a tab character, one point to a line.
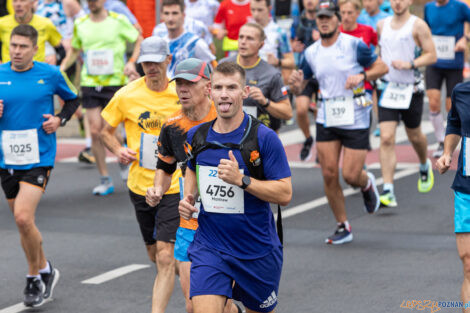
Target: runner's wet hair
25	30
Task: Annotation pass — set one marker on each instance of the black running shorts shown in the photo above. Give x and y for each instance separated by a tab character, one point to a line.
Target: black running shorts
435	76
349	138
411	117
157	223
94	97
11	179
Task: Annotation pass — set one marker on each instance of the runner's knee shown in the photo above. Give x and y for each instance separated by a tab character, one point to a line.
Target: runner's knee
24	221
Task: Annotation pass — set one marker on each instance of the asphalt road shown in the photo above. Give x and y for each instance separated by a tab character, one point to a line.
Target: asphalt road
402	254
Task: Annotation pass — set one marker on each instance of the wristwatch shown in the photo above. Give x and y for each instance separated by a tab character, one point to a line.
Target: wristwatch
246	181
63	121
268	102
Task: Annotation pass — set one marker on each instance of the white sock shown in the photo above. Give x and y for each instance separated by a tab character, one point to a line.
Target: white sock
346	225
424	167
46	270
438	124
37	276
88	142
389	187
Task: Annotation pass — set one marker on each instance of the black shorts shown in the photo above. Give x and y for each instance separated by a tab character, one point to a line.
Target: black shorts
94	97
350	138
411	117
435	76
157	223
310	89
11	179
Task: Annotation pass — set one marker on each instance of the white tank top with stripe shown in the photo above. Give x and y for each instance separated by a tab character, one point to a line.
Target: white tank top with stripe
398	44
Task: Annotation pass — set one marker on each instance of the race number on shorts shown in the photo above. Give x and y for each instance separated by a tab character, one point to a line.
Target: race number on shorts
100	62
148	151
445	46
20	147
218	196
397	96
339	111
197	204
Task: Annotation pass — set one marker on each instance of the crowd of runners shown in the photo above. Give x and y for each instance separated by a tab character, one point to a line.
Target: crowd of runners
194	125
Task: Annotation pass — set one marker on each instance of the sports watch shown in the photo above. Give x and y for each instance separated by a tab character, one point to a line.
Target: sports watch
246	181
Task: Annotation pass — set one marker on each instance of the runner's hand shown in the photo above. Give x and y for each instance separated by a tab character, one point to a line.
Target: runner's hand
153	196
401	65
186	207
256	94
130	70
229	171
1	107
461	45
52	123
126	155
295	81
443	163
353	81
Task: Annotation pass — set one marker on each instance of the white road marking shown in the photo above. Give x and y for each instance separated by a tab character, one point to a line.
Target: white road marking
20	307
114	274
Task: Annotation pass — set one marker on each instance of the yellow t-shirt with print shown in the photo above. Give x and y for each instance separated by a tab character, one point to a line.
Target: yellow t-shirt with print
46	32
143	112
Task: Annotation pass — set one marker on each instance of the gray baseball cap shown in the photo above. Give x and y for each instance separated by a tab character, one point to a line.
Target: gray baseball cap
192	69
153	49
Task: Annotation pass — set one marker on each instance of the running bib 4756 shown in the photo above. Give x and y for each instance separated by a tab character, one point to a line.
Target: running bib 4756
20	147
339	111
218	196
445	46
397	96
148	151
100	62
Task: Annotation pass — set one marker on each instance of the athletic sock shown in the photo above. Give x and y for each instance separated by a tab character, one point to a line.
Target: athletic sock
31	276
46	270
424	167
346	225
388	187
88	142
438	123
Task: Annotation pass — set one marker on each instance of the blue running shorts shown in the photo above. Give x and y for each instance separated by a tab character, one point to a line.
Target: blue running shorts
462	212
184	237
256	281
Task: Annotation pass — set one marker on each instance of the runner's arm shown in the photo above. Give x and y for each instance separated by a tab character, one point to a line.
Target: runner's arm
186	207
422	35
70	58
450	143
281	109
129	68
125	155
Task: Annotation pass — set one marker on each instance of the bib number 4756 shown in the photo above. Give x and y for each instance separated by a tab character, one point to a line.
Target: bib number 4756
220	191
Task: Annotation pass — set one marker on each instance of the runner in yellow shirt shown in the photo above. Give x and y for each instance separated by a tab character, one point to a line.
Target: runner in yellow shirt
23	14
143	105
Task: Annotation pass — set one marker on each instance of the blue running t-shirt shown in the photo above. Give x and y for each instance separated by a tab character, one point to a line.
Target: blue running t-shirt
448	20
252	234
26	97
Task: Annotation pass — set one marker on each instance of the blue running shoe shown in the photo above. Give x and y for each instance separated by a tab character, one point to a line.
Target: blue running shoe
341	236
106	187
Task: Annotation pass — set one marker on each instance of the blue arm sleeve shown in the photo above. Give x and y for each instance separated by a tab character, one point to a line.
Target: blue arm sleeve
453	119
305	67
365	56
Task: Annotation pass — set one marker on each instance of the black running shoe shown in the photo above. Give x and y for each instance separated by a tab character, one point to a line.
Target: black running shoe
86	156
306	152
371	196
50	280
34	292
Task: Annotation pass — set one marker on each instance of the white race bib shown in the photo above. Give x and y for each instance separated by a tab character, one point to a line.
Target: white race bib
397	96
218	196
466	156
148	151
197	205
253	111
20	147
445	46
100	62
339	111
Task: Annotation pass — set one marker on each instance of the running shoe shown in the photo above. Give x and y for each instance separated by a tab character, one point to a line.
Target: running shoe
306	151
377	132
106	187
50	280
426	179
387	199
34	292
439	151
341	235
86	156
371	196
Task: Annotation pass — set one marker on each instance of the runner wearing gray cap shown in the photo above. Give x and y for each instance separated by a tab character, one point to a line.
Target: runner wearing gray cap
143	105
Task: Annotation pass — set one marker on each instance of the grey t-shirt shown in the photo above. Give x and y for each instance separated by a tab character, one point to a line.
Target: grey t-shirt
269	80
